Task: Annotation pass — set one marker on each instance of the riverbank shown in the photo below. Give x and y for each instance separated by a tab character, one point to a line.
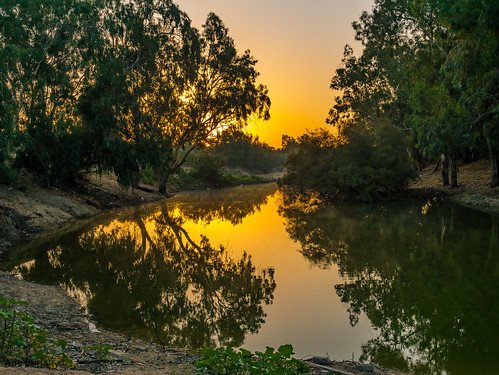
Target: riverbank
473	189
29	209
62	316
56	312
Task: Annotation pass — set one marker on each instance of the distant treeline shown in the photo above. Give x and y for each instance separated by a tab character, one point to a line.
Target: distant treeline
116	85
424	90
232	158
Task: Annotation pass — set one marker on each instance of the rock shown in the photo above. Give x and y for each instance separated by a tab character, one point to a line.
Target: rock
92	328
365	368
119	355
321	361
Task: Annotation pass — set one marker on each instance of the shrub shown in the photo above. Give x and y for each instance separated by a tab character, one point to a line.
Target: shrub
22	341
369	166
208	168
228	361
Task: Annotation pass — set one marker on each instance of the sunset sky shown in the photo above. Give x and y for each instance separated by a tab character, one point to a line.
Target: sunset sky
298	44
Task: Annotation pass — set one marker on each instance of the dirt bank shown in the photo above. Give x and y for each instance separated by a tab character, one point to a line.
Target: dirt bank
28	208
56	312
473	186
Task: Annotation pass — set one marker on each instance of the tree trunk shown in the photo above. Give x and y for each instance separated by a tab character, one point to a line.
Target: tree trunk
494	164
136	181
445	170
163	179
173	166
162	183
453	171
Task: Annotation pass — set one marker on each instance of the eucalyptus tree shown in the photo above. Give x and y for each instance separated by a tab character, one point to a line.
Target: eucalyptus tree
221	91
42	63
472	66
400	78
140	70
371	85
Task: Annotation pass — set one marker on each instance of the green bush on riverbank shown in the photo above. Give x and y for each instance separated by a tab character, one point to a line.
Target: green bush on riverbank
361	165
21	341
228	361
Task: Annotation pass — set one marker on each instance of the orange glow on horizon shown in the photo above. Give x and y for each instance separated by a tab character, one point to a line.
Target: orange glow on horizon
298	45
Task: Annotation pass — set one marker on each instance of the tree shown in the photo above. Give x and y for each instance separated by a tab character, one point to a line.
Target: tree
472	66
450	84
407	75
360	165
43	60
221	91
243	150
136	85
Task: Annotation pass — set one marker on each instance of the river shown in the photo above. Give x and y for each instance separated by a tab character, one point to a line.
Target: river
409	285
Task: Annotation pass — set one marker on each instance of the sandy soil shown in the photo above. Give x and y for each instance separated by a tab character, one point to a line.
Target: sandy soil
473	187
58	313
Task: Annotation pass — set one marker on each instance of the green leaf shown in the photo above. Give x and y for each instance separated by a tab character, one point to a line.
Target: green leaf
286	350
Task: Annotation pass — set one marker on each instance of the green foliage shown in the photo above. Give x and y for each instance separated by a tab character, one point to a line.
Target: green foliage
369	166
430	68
83	88
229	361
23	341
149	176
205	168
243	179
242	150
101	351
208	168
42	53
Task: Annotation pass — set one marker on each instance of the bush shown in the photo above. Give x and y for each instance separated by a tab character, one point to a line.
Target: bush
228	361
208	168
369	166
22	341
241	150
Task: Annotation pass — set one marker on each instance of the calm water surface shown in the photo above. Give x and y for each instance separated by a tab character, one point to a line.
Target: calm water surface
412	286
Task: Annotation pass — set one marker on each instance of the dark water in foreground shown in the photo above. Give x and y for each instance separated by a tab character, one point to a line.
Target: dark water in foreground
412	286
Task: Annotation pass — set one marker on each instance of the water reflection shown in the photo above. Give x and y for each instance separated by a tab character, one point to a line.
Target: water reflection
427	277
233	205
147	277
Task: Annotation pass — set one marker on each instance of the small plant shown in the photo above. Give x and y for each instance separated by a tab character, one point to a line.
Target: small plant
101	351
223	361
23	341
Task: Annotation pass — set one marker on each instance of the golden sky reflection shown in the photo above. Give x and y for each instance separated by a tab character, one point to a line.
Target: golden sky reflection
298	44
306	311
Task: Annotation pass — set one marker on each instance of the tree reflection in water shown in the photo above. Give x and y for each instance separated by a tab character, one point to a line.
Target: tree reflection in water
427	277
154	281
233	205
